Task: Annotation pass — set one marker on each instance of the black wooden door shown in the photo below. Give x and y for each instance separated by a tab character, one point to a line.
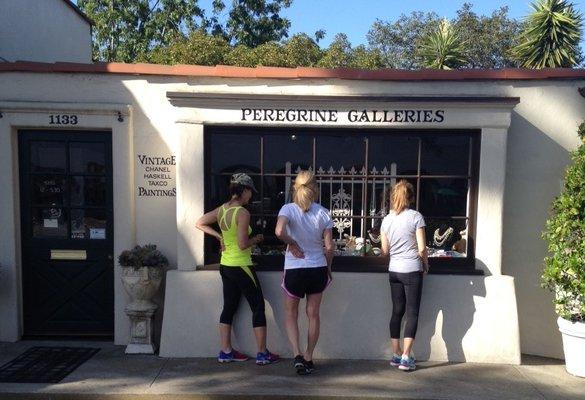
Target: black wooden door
67	233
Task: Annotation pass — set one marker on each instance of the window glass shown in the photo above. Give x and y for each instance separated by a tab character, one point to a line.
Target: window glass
340	154
88	158
393	155
235	153
88	224
49	190
443	197
445	155
88	191
48	157
49	222
357	199
446	237
285	154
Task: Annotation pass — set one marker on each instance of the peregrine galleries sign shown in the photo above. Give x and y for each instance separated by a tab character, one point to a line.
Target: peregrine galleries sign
351	116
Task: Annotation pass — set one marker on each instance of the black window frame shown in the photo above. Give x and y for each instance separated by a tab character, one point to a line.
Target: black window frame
438	265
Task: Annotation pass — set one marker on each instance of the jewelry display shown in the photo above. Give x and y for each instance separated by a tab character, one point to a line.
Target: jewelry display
439	239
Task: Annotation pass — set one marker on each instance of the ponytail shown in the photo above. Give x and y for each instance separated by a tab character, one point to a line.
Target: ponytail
305	190
402	196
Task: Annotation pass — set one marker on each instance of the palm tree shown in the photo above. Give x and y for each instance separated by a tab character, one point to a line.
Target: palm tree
551	36
442	48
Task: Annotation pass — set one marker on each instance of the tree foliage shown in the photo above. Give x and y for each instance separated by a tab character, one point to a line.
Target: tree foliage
564	272
254	22
442	48
551	36
127	29
487	39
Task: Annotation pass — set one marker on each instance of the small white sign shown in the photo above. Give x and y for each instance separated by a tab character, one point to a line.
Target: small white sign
97	233
50	223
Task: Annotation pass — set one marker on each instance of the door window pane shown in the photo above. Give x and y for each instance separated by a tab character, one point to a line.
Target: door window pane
48	190
88	191
445	155
48	157
49	222
88	224
287	153
88	158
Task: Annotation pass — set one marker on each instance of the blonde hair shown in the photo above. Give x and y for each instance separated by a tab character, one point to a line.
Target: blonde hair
305	190
402	196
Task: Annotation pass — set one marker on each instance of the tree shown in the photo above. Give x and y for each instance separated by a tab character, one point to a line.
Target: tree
338	54
442	48
397	41
253	22
126	29
199	49
551	36
487	39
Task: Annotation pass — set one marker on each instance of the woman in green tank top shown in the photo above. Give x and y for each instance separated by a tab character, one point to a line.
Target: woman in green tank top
236	270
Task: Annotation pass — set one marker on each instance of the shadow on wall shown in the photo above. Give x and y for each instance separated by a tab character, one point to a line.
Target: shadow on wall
535	165
449	314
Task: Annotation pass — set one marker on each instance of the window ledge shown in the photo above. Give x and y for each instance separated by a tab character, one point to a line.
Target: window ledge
365	269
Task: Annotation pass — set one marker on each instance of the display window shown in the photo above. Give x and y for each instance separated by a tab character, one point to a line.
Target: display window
355	170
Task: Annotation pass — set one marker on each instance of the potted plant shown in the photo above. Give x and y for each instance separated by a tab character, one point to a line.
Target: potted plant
564	272
142	271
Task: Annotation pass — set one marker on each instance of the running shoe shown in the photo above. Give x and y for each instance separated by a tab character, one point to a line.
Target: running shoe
395	361
232	356
407	364
299	364
266	358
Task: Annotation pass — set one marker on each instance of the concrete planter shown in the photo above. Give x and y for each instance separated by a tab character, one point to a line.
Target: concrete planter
141	284
573	345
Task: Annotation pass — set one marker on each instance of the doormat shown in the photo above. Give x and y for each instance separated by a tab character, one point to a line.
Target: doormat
45	364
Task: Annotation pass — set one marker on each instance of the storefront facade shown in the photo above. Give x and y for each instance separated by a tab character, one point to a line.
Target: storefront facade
97	158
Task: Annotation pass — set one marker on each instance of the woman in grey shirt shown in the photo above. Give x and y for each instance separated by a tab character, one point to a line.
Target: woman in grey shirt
403	238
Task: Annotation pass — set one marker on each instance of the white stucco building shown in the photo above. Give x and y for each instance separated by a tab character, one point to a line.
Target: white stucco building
96	158
44	31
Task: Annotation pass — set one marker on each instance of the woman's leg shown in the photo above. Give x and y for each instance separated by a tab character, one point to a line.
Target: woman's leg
413	288
253	293
231	300
313	307
291	308
398	310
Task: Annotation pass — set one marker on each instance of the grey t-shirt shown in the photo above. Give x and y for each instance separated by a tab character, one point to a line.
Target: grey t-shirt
401	233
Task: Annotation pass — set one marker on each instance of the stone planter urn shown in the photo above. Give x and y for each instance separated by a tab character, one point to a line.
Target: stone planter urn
573	345
142	272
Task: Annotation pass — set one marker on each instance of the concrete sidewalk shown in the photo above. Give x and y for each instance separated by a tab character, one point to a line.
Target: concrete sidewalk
111	374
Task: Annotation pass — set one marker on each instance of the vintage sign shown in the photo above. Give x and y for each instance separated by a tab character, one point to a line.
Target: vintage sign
158	175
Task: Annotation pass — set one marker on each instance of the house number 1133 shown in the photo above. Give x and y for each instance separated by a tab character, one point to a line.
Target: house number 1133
62	119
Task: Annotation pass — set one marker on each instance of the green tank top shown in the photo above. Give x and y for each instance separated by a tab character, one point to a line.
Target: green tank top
233	256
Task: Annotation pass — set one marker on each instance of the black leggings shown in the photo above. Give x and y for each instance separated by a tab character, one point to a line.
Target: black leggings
235	282
406	289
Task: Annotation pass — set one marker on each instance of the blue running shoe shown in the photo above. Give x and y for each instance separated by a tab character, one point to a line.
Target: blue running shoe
395	361
266	358
407	364
232	356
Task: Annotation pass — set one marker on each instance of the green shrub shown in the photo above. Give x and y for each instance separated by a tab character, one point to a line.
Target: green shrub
143	256
564	272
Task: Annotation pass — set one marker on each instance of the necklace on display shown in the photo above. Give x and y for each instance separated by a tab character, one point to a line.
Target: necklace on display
440	239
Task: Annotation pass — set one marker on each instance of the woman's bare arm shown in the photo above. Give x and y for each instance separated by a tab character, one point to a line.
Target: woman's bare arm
329	248
385	244
421	242
204	224
244	240
280	232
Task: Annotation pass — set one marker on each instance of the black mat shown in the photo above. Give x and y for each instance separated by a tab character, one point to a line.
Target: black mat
45	364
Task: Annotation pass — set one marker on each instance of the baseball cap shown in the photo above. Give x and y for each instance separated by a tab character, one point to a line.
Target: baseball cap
244	180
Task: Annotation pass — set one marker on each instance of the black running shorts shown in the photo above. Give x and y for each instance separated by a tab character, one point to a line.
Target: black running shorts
299	282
